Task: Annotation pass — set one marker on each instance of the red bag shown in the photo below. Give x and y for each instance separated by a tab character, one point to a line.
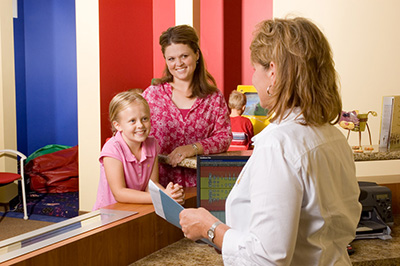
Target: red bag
55	172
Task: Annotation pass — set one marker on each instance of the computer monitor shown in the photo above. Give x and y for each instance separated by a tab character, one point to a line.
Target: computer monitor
253	107
216	175
254	111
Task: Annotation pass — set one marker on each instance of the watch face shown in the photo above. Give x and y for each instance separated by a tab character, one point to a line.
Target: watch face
210	234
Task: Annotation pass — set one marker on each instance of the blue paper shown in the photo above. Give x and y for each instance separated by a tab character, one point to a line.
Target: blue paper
171	209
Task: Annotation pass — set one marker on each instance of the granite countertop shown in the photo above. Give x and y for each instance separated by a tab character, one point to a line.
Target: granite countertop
376	154
184	252
371	252
366	155
190	162
374	252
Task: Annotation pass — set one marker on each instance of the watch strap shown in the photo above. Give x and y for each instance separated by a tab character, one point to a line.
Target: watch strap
212	229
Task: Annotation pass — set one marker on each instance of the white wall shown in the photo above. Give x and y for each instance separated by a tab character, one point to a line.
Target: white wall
365	41
183	12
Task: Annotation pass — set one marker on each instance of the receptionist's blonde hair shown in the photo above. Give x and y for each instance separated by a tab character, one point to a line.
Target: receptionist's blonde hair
305	73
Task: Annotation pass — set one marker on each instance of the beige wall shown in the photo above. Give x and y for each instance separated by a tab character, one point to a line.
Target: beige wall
363	47
7	97
89	96
365	42
87	38
7	84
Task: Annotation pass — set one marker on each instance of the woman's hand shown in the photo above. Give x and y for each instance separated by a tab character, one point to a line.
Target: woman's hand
196	222
180	153
176	192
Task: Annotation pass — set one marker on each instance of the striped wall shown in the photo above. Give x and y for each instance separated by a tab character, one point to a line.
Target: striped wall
225	28
104	64
111	57
129	57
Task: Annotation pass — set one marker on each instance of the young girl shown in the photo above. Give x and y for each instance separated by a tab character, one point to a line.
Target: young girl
129	159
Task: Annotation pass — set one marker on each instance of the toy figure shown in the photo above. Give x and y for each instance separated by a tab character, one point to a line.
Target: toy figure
356	122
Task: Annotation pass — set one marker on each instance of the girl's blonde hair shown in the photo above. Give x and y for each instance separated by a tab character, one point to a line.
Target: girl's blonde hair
121	101
305	73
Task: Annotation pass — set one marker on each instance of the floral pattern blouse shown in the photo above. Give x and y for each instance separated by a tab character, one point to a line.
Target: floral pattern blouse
206	122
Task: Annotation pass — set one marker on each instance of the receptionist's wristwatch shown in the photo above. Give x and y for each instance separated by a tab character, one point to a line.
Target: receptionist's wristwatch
211	231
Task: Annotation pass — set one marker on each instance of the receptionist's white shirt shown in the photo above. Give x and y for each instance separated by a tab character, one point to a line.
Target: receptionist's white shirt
295	201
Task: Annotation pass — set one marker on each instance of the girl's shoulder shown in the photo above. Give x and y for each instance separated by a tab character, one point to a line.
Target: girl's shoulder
112	148
112	145
151	145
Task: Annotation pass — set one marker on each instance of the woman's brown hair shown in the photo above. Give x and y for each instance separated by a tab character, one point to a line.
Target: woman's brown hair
305	72
203	83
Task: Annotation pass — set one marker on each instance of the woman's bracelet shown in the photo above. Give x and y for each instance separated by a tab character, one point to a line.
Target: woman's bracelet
196	149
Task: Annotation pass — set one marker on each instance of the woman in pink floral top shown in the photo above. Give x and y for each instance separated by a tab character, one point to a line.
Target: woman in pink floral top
189	115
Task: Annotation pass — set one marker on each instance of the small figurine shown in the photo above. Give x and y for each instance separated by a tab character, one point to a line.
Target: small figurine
353	121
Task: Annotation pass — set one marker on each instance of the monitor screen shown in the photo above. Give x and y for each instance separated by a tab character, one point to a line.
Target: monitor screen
216	175
253	105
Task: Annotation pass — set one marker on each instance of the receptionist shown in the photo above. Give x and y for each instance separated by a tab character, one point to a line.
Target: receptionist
296	200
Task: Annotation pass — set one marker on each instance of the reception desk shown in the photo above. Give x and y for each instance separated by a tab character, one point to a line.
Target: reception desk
144	237
373	155
372	252
118	243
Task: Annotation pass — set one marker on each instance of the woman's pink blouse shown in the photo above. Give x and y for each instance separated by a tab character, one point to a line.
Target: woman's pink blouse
206	122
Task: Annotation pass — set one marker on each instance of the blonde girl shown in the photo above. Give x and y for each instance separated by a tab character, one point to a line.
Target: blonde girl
129	159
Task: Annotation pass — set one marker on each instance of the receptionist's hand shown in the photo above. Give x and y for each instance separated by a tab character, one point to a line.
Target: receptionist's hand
196	222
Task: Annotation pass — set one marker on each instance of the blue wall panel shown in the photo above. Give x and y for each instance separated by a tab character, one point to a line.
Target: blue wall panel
50	73
20	94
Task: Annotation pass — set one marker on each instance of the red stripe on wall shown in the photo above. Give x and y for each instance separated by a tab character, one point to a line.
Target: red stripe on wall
126	51
130	55
164	17
253	12
232	46
212	38
226	34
